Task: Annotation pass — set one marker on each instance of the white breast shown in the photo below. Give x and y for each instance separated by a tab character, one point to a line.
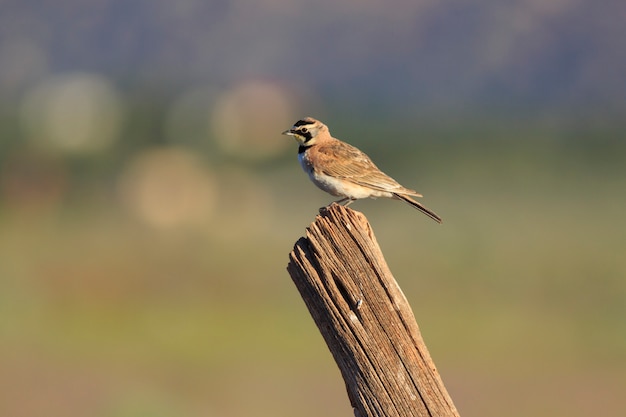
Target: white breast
338	187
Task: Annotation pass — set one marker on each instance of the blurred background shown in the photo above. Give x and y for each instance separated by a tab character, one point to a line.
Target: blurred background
148	202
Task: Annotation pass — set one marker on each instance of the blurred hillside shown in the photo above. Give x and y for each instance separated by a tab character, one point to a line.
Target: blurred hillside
148	201
559	55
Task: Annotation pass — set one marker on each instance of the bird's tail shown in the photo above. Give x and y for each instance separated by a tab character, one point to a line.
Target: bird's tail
418	206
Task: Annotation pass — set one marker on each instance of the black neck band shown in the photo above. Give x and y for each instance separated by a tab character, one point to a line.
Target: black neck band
303	148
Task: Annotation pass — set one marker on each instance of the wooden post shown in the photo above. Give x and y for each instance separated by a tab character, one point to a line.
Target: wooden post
365	319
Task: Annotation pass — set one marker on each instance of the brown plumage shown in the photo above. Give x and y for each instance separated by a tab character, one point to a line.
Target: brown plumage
343	170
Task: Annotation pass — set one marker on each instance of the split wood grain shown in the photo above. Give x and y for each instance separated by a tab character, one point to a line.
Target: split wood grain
365	319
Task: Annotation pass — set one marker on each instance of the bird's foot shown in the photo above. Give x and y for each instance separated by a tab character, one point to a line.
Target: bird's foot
343	202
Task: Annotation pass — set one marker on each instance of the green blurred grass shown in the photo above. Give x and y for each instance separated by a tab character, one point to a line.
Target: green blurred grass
522	290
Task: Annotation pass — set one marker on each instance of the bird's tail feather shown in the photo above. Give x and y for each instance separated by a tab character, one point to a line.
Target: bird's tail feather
418	206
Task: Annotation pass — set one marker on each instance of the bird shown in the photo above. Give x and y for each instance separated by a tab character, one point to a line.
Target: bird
342	170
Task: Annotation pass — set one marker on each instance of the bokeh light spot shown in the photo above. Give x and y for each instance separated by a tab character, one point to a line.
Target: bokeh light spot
168	188
72	113
248	119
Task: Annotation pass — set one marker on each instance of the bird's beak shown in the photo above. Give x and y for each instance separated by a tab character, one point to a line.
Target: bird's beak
288	132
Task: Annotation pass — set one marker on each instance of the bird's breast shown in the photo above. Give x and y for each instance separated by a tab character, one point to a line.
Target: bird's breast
333	185
305	163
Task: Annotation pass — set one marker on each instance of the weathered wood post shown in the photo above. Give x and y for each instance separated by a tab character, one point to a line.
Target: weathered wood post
365	319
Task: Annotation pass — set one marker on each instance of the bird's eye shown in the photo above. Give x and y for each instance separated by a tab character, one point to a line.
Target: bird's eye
304	130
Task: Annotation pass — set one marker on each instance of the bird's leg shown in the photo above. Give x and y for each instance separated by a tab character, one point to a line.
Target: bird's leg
348	201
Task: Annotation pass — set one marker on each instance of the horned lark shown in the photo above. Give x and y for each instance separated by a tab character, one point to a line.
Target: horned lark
343	170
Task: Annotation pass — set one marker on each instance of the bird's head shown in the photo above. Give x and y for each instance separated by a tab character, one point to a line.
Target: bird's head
306	131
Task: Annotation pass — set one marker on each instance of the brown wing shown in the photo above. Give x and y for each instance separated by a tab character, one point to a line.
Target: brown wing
344	161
